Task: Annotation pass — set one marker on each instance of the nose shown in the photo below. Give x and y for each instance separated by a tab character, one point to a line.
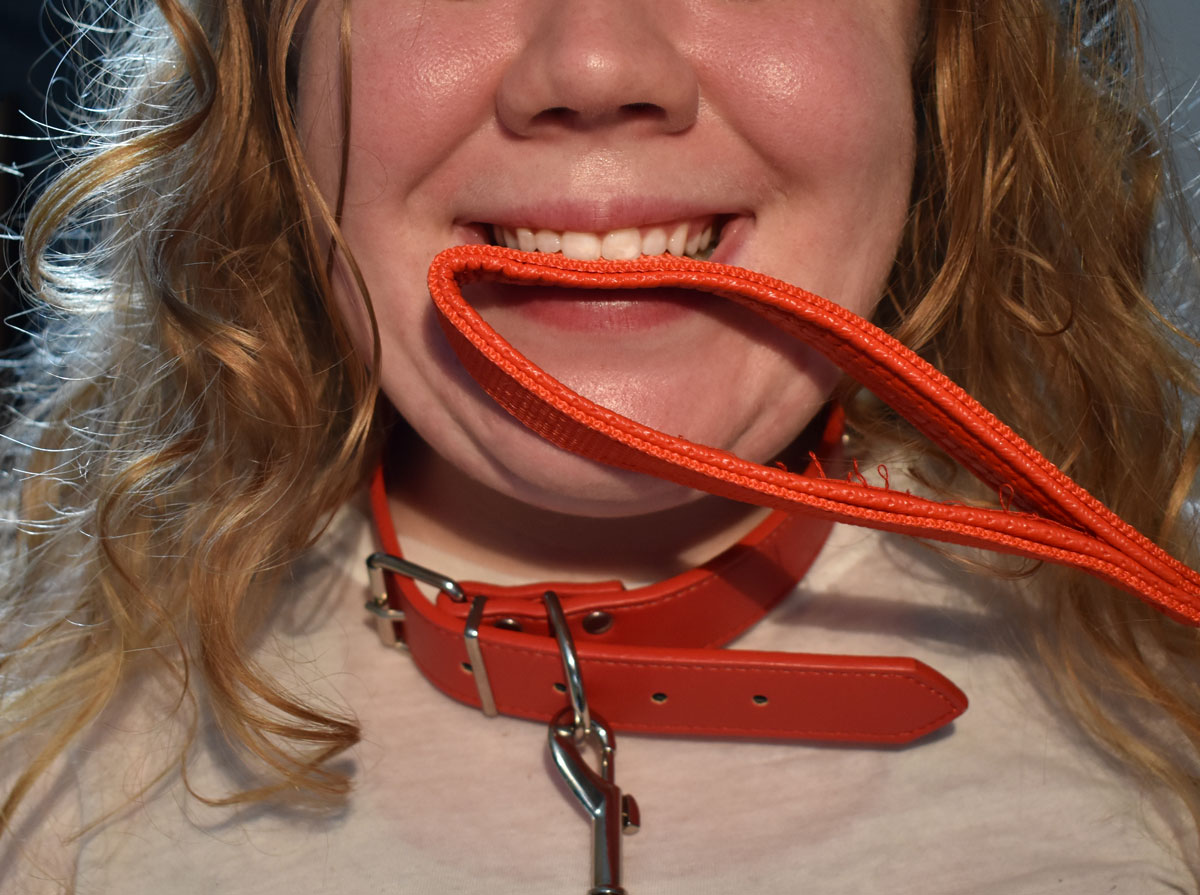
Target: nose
588	64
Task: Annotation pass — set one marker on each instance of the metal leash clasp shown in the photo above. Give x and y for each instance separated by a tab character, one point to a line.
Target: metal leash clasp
612	812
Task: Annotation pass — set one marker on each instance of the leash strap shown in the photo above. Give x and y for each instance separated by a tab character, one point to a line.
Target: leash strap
1049	517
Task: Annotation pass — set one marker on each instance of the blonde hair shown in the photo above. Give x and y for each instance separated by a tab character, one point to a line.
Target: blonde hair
187	379
1040	201
193	374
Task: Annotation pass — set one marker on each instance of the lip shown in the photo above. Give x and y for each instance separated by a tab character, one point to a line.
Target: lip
735	233
607	312
597	216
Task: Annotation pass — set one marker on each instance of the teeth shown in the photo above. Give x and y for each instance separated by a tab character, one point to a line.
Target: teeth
692	238
582	246
655	242
621	245
548	241
677	242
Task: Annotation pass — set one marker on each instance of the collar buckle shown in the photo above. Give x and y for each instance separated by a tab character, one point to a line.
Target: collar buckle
390	621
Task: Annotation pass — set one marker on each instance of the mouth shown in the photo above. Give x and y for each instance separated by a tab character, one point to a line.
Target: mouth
689	238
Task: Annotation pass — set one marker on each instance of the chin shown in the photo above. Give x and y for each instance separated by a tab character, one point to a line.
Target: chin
545	477
485	445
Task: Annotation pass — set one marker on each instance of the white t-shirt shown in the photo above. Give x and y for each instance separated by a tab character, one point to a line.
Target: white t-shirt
1007	801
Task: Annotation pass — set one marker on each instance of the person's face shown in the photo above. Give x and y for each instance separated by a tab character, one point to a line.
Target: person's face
786	124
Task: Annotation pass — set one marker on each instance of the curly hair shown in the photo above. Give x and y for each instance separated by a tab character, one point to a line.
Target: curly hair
185	381
190	368
1040	203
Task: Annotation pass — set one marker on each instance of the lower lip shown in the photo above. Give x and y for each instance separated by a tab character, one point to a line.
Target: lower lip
590	310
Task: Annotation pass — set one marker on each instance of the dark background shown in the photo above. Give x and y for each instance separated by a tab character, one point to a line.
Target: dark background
26	70
27	65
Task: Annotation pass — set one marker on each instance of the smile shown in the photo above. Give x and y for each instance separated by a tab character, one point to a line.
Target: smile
693	238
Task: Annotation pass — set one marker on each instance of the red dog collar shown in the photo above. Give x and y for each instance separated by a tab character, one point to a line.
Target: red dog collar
651	656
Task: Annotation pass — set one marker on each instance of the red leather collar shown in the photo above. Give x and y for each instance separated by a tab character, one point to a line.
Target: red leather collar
651	655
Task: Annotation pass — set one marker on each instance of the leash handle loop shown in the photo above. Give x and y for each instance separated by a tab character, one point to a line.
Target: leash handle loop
1045	515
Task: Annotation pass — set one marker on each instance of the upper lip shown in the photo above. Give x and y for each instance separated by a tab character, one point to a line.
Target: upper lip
597	216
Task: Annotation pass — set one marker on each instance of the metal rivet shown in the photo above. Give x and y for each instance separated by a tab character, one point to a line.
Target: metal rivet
759	699
597	622
507	624
660	698
560	686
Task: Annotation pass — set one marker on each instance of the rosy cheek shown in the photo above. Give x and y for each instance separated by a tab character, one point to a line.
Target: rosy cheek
823	89
420	84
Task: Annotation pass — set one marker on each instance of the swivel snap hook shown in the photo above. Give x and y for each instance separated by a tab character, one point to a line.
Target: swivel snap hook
612	813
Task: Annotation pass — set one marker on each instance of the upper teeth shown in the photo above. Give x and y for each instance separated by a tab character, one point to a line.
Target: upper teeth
694	238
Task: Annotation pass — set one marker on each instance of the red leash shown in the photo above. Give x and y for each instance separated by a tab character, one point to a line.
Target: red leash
1051	518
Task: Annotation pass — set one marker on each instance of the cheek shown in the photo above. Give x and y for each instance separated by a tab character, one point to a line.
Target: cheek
423	78
411	105
421	83
821	89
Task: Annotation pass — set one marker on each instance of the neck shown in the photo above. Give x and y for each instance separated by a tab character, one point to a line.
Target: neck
465	529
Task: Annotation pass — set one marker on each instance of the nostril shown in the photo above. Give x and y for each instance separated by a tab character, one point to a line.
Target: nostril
581	119
643	110
563	115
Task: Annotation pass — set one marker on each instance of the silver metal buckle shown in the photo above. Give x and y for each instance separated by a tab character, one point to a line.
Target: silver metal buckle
388	618
377	562
612	813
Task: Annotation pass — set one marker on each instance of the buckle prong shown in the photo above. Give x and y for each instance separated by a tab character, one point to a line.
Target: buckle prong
376	562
